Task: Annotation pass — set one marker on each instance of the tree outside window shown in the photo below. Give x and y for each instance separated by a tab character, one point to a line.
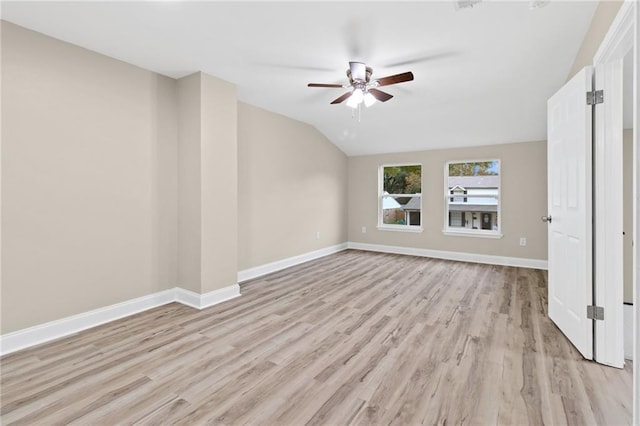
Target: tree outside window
400	196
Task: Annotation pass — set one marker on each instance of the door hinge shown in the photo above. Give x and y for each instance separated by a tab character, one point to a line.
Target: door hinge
595	312
595	97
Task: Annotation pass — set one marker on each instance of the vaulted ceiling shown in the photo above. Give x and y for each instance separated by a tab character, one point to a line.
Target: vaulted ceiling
482	75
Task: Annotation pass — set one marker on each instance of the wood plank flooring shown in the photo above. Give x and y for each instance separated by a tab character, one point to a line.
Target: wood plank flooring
352	338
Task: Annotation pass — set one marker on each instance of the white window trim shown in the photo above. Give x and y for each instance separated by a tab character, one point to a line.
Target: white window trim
479	233
401	228
398	228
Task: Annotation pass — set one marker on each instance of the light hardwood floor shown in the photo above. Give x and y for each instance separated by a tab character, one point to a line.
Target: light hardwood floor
352	338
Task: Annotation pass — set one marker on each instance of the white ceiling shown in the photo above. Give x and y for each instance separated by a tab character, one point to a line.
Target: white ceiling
482	75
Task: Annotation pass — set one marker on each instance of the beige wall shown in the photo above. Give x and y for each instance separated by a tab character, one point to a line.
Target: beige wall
88	180
523	200
207	176
600	23
292	184
189	181
164	183
219	152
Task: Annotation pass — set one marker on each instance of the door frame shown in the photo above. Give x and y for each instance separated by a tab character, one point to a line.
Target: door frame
636	219
621	37
608	182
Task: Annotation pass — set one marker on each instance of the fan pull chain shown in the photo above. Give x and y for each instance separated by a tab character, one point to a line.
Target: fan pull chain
353	113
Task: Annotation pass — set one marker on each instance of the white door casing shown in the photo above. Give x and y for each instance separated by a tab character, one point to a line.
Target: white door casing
619	40
608	223
569	168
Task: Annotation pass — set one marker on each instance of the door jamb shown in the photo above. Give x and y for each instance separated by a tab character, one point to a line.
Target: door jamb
622	36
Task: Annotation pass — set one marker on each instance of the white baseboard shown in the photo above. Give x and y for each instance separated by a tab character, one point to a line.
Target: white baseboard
52	330
268	268
627	325
453	255
201	301
35	335
258	271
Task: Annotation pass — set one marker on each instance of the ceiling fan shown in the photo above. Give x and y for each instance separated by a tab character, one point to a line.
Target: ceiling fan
363	89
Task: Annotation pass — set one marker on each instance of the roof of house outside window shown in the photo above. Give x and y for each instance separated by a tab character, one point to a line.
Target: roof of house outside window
466	182
413	204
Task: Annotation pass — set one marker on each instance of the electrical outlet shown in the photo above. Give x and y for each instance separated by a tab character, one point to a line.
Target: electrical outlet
318	235
364	229
523	241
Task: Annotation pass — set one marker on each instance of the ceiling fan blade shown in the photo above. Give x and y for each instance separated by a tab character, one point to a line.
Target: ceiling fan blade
394	79
341	98
420	59
358	71
324	85
380	95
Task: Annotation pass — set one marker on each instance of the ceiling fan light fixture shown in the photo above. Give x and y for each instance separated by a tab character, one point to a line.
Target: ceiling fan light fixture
369	100
357	95
352	103
356	98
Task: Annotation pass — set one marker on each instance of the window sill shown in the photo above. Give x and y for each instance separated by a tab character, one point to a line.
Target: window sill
477	234
400	228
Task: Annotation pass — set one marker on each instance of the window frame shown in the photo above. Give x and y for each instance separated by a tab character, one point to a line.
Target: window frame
467	232
393	227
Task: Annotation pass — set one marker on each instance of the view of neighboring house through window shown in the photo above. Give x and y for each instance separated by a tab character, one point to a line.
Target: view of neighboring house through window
472	191
400	197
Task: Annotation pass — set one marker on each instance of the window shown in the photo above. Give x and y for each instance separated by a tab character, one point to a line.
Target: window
456	219
400	197
472	198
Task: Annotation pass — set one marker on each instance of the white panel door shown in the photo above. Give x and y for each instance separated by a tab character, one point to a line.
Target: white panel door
569	171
